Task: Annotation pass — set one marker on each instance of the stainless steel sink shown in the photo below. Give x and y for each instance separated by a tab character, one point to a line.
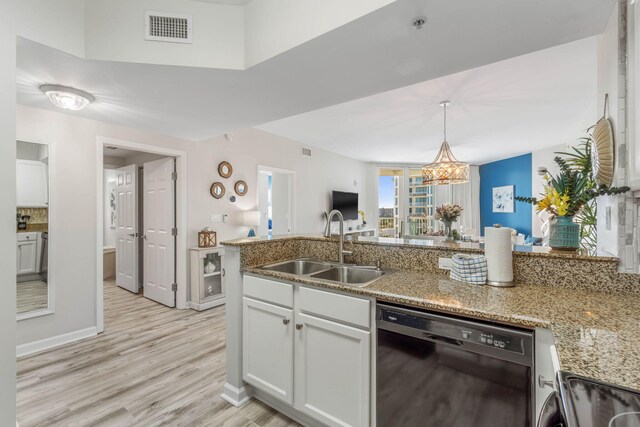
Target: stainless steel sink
350	275
299	267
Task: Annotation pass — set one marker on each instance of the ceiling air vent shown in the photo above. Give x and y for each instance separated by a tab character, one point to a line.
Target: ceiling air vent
306	152
167	27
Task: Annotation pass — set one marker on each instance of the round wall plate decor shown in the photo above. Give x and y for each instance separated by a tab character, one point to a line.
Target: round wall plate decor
225	169
217	190
602	152
241	188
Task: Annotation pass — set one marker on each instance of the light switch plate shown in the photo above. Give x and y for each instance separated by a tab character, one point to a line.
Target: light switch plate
216	218
444	263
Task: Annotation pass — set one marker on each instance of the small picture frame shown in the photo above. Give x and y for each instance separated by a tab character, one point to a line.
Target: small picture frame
504	199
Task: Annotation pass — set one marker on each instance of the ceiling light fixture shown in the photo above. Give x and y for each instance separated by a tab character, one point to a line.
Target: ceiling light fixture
418	22
445	169
67	98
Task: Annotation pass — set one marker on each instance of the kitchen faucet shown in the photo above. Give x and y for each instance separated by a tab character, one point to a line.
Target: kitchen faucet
327	233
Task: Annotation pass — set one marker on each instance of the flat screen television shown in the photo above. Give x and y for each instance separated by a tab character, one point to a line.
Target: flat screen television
346	203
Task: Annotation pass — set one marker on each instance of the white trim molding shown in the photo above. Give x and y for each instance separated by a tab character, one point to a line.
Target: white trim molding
237	396
181	218
53	342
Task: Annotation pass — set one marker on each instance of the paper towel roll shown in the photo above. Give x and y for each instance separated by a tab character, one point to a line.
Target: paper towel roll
498	251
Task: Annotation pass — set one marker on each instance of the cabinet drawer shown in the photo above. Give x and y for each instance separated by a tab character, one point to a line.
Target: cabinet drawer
28	236
335	306
268	290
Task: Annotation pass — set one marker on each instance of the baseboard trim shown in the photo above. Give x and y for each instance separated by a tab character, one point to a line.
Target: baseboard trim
236	396
56	341
206	305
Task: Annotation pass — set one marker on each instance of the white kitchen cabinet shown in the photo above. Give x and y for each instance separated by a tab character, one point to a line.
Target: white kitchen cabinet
27	256
31	184
309	348
332	371
268	348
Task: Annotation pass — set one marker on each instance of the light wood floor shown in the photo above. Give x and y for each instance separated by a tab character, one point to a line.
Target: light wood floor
152	366
31	296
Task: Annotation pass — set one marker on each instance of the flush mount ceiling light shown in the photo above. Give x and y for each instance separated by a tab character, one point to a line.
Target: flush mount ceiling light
445	169
67	98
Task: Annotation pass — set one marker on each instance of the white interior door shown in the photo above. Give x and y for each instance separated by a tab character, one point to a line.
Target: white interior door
159	240
127	228
281	187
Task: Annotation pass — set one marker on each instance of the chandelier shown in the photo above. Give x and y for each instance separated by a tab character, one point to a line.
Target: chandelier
445	169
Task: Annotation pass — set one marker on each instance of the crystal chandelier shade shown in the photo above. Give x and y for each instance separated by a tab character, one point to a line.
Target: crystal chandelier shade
445	169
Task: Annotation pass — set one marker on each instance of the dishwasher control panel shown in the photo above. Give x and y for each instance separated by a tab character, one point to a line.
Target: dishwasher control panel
454	331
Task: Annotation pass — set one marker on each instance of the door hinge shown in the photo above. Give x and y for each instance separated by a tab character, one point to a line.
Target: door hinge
174	287
174	176
174	231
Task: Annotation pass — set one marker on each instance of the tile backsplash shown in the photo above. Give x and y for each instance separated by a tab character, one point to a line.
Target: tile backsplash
38	215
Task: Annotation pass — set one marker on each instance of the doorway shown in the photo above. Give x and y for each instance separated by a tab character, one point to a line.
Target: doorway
275	201
142	209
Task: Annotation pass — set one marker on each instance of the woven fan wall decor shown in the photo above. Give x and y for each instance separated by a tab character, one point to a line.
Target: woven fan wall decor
602	151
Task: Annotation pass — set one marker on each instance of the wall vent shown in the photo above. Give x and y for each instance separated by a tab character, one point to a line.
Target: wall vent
167	27
306	152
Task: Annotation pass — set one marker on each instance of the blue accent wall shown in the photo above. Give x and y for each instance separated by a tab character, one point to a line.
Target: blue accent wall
514	171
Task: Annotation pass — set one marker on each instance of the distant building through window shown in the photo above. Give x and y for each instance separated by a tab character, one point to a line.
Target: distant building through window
406	205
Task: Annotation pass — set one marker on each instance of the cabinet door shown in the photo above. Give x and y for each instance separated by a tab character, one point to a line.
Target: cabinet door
31	184
332	371
267	352
26	257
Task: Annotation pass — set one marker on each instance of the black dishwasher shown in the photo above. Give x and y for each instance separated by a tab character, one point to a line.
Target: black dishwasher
435	370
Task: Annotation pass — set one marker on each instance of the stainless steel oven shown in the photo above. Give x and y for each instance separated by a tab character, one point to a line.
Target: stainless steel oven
436	370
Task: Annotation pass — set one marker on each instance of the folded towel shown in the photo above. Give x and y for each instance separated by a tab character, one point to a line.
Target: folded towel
469	268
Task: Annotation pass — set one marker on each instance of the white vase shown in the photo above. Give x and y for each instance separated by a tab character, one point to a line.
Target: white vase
209	267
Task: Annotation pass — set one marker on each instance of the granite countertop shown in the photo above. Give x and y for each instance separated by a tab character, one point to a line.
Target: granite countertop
423	243
597	335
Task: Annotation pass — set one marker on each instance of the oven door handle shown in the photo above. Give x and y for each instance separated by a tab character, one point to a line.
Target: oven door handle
437	338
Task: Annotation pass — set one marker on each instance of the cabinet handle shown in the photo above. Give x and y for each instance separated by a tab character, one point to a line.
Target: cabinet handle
285	321
223	272
298	326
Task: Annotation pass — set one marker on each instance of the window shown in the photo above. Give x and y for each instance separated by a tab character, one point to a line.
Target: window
406	204
390	184
421	203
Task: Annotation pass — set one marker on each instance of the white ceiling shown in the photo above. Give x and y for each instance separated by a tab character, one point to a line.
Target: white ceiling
510	107
374	54
231	2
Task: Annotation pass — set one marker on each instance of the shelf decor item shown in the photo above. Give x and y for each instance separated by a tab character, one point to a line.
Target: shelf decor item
209	267
448	214
569	198
225	169
207	238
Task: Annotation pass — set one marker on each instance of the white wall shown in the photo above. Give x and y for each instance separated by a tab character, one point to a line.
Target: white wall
115	32
7	215
59	23
608	83
542	158
273	27
74	200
